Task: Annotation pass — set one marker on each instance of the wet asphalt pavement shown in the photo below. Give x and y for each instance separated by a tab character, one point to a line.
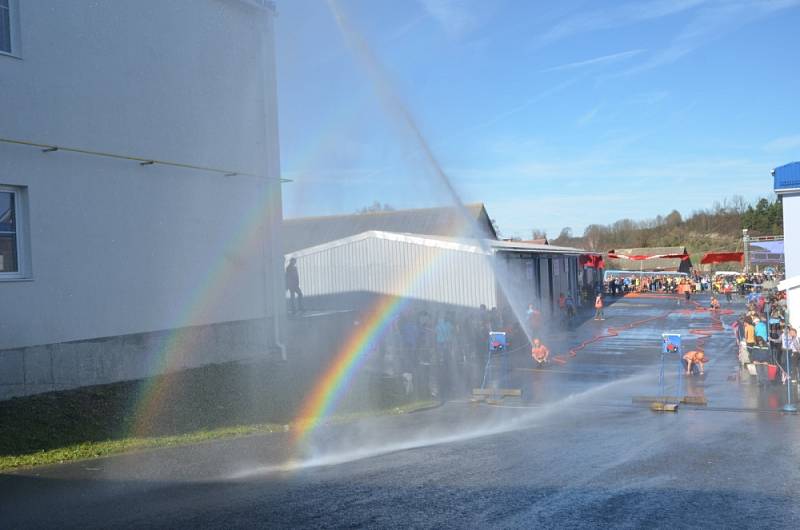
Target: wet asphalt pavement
573	452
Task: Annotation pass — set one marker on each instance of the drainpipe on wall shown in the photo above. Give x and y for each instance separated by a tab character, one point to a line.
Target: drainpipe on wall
272	248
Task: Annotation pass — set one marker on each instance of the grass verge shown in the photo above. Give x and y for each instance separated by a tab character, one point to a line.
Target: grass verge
99	449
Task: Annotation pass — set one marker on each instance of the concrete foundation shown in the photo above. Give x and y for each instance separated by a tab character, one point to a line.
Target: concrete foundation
60	366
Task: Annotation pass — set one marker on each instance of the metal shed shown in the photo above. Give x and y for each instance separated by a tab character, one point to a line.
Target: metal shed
437	269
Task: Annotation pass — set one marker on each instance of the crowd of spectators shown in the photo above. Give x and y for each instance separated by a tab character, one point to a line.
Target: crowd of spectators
727	284
764	338
432	348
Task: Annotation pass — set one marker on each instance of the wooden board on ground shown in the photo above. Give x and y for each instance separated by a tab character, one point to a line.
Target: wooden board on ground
651	399
660	406
694	400
510	392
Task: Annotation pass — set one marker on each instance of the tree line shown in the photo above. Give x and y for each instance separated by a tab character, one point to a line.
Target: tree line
716	228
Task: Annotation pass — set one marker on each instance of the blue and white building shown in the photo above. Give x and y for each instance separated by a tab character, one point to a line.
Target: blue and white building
787	186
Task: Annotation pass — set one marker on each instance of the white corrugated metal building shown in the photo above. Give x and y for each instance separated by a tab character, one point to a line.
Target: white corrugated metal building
442	270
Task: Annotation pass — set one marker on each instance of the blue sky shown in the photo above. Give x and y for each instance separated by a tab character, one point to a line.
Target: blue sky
552	113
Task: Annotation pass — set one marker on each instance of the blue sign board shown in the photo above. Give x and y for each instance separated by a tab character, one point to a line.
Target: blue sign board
671	343
497	341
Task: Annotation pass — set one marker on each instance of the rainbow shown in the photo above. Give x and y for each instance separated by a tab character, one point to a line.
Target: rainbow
330	387
327	391
199	309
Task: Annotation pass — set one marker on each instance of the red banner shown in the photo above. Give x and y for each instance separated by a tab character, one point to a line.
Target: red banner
593	261
711	258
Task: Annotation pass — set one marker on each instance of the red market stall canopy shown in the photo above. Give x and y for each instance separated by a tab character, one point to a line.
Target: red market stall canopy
593	261
711	258
683	257
655	259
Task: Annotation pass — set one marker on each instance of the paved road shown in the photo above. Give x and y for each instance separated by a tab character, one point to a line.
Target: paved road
574	452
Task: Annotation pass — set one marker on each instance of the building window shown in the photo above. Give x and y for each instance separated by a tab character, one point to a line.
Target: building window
5	26
10	233
9	28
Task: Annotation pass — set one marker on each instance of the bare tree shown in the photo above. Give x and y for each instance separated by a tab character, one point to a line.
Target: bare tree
537	233
376	206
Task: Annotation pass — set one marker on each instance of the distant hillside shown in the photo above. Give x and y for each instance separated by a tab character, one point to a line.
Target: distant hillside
718	228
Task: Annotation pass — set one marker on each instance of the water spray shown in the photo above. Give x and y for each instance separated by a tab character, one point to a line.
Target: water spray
406	122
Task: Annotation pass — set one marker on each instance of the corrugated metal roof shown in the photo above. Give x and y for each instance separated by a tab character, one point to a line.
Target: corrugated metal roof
442	242
787	177
416	239
535	247
305	232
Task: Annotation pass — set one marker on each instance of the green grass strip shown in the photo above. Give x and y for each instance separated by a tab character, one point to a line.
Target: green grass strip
89	450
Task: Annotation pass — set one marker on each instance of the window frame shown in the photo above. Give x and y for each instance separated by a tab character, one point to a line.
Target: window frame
21	225
13	22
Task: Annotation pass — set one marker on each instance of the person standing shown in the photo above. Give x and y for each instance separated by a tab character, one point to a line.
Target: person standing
728	292
761	329
534	317
749	332
775	342
598	307
791	344
293	286
687	290
444	346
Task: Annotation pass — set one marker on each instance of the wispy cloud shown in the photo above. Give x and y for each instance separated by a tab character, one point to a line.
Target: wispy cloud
522	106
784	143
403	29
453	16
710	23
587	117
595	61
619	16
650	98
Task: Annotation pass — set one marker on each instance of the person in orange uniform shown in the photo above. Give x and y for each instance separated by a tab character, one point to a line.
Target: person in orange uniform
598	307
540	352
714	305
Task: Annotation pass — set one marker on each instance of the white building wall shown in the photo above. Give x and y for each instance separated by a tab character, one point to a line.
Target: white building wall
791	231
791	248
116	247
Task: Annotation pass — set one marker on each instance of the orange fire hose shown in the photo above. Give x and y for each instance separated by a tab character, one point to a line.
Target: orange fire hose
703	333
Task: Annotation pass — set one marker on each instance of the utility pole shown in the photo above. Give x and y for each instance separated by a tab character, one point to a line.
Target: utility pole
746	247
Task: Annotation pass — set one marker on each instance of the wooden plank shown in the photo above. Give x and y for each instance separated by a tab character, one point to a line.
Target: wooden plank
659	406
694	400
650	399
